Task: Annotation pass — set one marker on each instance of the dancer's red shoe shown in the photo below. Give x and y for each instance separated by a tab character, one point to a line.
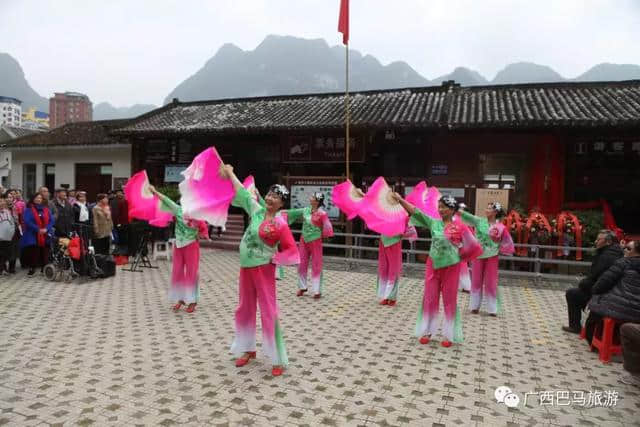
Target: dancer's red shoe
384	302
475	311
178	305
317	296
241	361
392	302
191	308
424	340
300	292
276	371
446	343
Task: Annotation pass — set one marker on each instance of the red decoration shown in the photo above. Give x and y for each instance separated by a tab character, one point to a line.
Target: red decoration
343	21
609	220
513	222
564	219
535	223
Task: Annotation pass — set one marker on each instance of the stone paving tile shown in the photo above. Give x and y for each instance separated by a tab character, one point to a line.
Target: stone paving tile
112	352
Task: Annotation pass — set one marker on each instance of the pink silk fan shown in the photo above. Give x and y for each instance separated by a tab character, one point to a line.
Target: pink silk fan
347	199
143	204
206	193
425	198
381	212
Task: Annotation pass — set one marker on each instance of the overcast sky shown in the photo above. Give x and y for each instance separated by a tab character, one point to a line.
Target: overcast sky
137	51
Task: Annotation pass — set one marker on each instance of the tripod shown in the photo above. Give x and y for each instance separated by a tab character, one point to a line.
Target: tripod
142	254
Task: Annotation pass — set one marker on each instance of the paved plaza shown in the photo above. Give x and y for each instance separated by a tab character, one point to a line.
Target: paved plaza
112	352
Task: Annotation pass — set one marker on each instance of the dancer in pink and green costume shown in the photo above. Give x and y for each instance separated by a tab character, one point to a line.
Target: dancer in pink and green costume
185	288
315	226
267	242
451	241
495	240
390	265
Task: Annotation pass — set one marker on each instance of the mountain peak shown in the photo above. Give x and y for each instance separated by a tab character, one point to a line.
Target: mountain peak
607	71
463	76
283	65
13	83
526	72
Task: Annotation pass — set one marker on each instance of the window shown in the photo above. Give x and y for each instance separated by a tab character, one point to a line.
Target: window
29	179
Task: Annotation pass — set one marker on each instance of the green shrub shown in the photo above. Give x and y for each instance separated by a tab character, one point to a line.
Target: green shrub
592	221
171	191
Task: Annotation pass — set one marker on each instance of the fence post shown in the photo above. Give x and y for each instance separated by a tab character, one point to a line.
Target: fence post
537	261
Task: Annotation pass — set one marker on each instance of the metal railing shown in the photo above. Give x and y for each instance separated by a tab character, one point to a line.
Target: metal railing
533	265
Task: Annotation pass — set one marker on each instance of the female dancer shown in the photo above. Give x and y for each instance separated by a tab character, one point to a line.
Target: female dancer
443	269
256	194
267	241
390	265
185	288
315	227
495	240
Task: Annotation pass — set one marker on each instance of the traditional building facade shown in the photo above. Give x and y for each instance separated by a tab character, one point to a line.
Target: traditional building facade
76	155
549	144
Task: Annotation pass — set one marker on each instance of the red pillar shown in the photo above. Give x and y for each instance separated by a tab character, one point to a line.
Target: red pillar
547	175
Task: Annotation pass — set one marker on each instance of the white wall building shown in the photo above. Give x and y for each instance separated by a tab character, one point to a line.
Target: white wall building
10	111
76	156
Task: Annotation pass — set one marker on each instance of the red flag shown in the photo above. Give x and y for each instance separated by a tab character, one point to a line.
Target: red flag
343	22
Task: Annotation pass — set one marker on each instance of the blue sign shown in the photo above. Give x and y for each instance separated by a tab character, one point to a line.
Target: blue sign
172	173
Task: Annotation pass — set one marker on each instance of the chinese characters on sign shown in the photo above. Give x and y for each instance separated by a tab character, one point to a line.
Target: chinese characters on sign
323	149
439	169
172	173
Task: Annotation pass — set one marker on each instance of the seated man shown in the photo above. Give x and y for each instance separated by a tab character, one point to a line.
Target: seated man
616	294
607	252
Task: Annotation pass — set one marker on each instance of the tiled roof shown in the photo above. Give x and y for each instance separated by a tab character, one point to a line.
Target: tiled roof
413	107
80	133
546	105
15	132
448	106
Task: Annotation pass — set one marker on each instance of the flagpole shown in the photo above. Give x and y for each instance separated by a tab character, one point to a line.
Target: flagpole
346	107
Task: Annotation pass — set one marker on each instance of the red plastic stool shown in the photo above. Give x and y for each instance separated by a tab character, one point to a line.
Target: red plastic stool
603	339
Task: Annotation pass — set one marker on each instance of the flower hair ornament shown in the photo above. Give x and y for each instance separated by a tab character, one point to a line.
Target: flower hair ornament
496	206
449	201
281	191
319	197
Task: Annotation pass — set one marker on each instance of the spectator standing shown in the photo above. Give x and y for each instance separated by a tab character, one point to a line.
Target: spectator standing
36	236
72	197
102	225
13	246
607	252
81	212
63	213
120	215
7	234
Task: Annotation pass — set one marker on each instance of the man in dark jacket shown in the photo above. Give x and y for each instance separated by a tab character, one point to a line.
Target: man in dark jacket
120	215
616	294
607	252
63	213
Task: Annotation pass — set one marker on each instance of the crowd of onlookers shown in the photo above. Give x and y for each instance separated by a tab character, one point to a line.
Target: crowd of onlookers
29	227
611	290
